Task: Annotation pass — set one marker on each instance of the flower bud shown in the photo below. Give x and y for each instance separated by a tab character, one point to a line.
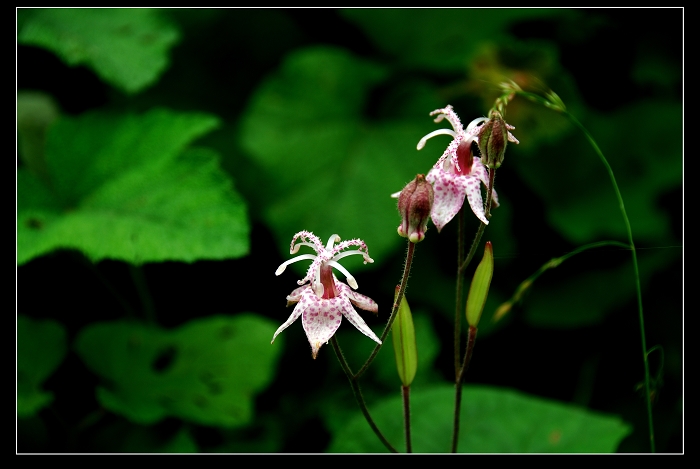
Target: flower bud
415	203
493	138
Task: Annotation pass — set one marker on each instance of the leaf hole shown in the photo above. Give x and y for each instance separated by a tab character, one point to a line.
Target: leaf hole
164	359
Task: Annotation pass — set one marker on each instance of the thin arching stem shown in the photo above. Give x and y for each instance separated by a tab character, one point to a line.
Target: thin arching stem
461	368
558	106
394	309
471	340
358	395
405	394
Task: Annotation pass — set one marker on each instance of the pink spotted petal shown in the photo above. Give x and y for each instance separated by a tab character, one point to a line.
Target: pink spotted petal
295	296
294	316
494	199
474	198
449	194
480	171
320	318
356	320
359	300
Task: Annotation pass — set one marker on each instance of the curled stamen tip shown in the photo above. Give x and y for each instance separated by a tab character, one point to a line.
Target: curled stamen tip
352	282
280	269
421	144
396	195
294	249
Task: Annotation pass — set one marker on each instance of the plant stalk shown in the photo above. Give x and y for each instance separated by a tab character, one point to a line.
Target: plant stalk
358	395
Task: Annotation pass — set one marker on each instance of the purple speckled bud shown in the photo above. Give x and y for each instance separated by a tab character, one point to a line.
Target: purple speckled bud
415	203
493	138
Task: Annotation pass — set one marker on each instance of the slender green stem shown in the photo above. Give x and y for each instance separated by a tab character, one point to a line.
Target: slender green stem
482	226
405	394
353	378
471	339
458	289
628	227
460	369
129	310
394	309
142	289
558	260
589	137
358	395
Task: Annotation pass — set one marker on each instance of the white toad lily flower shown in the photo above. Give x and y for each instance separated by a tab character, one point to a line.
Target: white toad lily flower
325	300
458	173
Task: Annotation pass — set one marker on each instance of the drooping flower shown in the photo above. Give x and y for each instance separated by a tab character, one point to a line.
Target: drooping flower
458	173
325	300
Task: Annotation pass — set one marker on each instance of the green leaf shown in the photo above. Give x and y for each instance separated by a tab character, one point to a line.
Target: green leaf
438	39
207	371
580	199
123	188
493	420
146	440
41	347
331	170
126	47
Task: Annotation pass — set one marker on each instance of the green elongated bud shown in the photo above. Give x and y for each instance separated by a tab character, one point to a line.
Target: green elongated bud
479	290
404	337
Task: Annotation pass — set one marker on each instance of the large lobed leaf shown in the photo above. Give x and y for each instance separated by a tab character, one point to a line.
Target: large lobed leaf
207	371
126	47
125	188
493	420
331	169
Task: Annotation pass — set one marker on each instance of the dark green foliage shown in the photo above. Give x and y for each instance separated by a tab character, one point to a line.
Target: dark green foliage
167	157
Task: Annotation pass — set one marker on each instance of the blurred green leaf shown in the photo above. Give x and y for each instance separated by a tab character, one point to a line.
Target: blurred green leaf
441	39
331	170
207	371
144	440
122	188
580	200
493	420
126	47
41	347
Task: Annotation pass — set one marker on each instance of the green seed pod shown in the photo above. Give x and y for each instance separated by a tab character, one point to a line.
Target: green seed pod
479	290
404	337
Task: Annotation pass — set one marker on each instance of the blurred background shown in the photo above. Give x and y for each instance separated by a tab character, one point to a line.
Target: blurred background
167	157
